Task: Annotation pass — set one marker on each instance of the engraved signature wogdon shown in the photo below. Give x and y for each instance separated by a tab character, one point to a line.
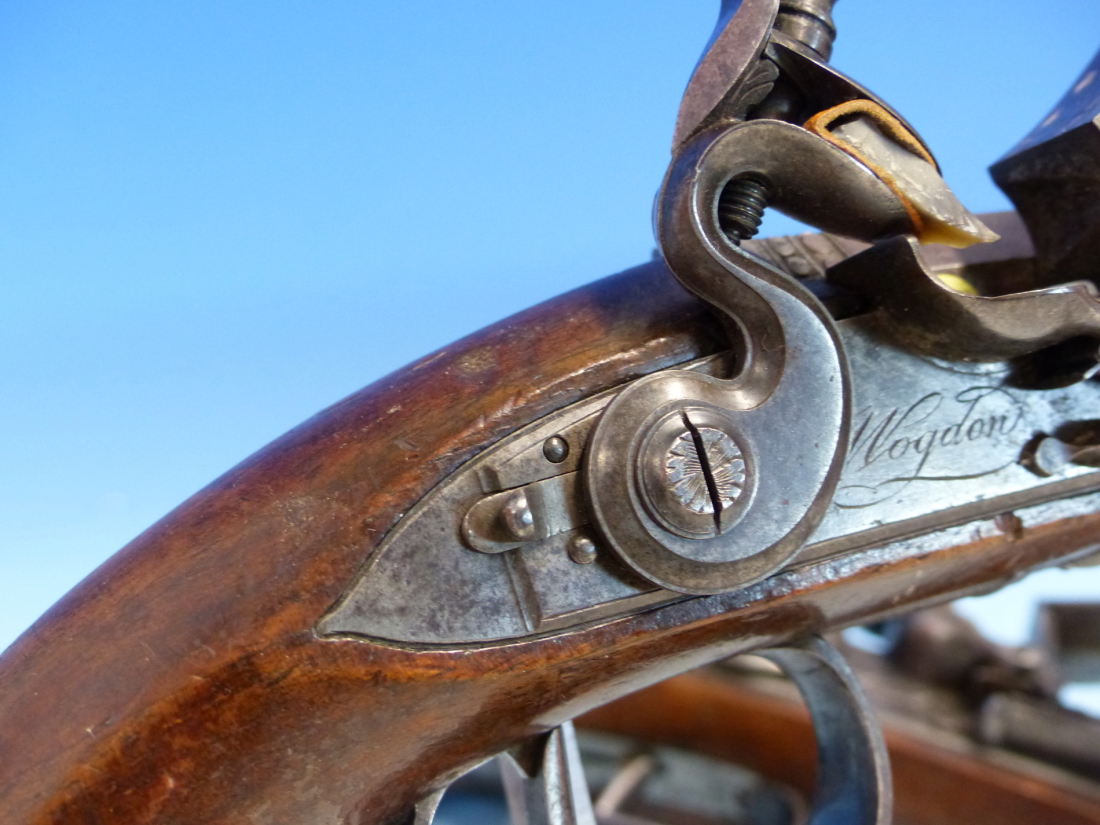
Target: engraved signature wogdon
939	437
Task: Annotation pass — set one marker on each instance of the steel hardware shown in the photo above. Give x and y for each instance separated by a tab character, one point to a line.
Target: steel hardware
809	22
581	549
556	449
544	779
516	516
934	458
929	316
856	170
504	521
1049	456
741	206
853	780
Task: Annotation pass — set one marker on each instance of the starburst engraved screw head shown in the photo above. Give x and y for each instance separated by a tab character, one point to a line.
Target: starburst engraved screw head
705	470
695	473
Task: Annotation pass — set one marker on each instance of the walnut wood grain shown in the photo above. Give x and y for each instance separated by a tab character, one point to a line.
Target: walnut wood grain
182	681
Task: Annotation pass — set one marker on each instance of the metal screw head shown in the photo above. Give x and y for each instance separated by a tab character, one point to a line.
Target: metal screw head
517	517
705	470
556	449
581	549
696	475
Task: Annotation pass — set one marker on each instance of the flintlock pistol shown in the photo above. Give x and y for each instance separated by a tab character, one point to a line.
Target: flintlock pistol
735	447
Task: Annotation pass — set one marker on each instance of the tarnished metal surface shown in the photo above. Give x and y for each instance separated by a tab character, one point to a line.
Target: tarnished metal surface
930	437
810	22
728	59
423	584
790	358
930	316
545	783
853	772
934	444
621	501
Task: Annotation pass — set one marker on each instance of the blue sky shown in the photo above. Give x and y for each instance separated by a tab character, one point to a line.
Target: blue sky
217	218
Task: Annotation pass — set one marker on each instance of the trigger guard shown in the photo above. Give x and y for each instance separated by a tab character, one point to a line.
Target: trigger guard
853	768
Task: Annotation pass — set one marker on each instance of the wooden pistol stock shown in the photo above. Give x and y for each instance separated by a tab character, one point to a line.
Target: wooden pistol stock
734	448
188	679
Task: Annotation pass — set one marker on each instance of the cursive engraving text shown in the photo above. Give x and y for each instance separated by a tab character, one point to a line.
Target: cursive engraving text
939	437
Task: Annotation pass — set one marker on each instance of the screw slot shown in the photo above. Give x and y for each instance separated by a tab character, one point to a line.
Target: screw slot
708	455
696	477
703	455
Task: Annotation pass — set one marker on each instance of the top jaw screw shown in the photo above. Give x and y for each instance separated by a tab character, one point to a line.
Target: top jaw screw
810	22
741	206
